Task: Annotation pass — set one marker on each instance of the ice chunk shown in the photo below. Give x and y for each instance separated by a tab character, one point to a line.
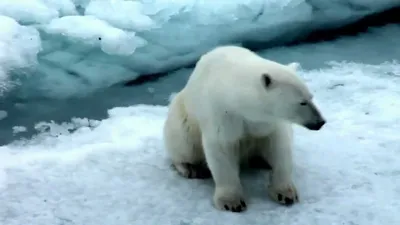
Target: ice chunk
19	46
125	14
3	114
28	11
93	31
19	129
64	7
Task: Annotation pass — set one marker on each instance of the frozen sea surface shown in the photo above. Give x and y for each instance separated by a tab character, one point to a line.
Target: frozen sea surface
115	170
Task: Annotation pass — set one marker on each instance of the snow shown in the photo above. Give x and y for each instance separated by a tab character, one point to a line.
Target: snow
88	45
115	170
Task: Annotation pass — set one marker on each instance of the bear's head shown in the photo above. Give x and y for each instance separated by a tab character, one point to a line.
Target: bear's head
285	96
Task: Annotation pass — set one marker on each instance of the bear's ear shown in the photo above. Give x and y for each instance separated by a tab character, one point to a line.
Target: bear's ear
266	80
294	66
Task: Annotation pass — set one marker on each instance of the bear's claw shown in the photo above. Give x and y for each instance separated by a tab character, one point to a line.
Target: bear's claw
238	208
285	200
285	195
233	205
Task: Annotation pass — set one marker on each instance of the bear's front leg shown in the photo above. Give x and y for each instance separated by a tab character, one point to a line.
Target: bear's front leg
223	161
277	150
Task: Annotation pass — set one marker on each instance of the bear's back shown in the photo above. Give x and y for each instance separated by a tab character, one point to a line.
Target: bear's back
226	66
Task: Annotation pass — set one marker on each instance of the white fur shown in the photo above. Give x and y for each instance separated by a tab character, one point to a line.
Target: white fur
225	115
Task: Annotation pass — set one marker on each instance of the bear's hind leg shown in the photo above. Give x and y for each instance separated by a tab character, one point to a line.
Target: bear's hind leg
182	140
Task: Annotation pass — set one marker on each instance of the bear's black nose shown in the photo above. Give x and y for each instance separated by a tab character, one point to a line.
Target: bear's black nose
315	126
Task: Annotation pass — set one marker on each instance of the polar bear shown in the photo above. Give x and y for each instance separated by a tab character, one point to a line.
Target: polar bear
236	109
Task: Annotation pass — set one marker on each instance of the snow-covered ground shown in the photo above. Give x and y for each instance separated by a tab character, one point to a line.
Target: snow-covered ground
87	45
115	171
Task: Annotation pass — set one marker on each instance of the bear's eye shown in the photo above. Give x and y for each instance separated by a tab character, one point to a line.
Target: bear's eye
303	103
